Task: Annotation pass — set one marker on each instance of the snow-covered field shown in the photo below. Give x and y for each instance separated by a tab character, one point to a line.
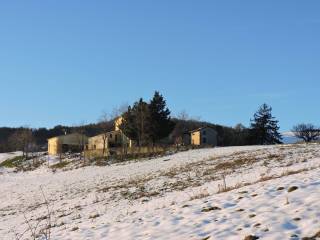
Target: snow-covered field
173	197
5	156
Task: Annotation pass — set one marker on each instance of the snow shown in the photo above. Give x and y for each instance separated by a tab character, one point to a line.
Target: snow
288	134
163	198
265	214
289	138
6	156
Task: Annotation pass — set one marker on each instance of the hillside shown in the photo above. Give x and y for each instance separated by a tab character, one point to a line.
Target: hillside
271	192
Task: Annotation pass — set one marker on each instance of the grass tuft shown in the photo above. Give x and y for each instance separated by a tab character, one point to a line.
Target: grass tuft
13	162
60	165
293	188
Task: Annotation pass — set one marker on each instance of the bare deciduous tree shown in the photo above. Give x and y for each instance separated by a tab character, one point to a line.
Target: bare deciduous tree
105	125
118	111
307	132
22	140
80	130
183	115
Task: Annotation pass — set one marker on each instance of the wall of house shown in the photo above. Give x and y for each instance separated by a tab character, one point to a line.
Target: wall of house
118	138
117	123
210	135
205	136
195	138
116	141
186	139
95	147
114	137
55	144
73	139
97	142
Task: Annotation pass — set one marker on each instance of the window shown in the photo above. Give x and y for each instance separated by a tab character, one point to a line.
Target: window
204	132
204	140
110	135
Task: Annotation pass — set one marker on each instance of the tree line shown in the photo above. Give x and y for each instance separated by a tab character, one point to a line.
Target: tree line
150	123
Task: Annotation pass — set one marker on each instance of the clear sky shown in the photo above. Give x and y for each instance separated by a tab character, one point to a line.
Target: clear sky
64	62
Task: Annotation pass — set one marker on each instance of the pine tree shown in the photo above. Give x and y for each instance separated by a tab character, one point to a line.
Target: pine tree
136	123
161	124
264	127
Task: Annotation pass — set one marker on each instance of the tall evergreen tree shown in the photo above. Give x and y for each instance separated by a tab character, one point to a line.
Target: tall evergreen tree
136	123
161	124
264	127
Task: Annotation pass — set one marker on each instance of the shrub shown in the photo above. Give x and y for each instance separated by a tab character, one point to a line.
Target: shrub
60	165
293	188
13	162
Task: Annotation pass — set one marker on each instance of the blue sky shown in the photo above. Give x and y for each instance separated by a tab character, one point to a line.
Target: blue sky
64	62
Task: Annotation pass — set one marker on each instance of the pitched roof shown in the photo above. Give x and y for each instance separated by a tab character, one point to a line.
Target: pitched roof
63	136
200	128
102	134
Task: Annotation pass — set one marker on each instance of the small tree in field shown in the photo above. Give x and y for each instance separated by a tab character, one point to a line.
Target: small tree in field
264	127
307	132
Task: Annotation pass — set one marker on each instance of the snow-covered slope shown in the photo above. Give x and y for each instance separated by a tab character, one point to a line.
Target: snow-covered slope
5	156
265	209
173	197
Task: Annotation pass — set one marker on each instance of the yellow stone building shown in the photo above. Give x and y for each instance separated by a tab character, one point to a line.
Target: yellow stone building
204	136
71	142
117	123
107	141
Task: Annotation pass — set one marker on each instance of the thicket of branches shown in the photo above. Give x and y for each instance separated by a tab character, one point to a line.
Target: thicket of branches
306	132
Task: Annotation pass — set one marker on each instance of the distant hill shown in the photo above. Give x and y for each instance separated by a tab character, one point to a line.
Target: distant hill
289	138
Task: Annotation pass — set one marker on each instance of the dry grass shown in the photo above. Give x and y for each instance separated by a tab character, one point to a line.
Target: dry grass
202	194
267	178
209	209
237	163
251	237
209	169
292	188
96	215
314	237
